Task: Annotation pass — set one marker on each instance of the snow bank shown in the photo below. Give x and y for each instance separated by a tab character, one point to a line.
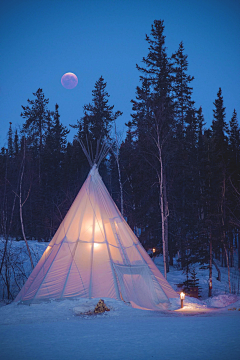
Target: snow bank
222	301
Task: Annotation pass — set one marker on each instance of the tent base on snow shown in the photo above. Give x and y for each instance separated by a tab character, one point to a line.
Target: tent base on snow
93	254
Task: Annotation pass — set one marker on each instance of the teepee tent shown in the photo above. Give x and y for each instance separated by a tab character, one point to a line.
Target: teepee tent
94	253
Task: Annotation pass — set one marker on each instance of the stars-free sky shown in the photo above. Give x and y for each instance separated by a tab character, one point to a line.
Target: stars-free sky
43	39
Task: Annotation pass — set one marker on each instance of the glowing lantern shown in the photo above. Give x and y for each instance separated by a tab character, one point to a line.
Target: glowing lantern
154	250
182	297
210	284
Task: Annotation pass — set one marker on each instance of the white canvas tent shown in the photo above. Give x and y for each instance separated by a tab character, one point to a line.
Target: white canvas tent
94	253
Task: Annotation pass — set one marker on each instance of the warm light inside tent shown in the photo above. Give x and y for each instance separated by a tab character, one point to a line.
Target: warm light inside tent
96	246
116	225
99	230
47	249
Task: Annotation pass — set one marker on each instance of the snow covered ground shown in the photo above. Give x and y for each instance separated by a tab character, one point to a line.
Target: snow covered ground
203	329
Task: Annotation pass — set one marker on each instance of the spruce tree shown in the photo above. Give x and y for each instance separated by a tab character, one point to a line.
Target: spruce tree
184	153
157	121
16	144
234	186
98	116
10	140
94	128
219	184
36	116
181	85
234	139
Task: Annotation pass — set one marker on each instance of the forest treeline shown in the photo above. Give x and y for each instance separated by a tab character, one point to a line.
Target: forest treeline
175	180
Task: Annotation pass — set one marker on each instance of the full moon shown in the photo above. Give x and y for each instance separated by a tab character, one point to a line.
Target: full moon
69	80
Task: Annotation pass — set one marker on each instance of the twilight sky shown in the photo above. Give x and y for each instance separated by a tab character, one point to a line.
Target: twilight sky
43	39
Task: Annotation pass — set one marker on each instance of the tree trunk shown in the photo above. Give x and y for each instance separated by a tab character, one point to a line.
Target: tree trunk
238	250
165	202
223	225
210	265
119	170
6	231
218	270
227	259
120	182
20	209
163	217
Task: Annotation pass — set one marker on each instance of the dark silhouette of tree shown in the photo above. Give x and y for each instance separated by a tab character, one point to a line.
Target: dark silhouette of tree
36	123
181	85
98	116
220	179
158	121
10	140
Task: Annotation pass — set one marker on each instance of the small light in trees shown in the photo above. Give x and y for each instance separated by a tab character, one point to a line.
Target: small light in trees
210	284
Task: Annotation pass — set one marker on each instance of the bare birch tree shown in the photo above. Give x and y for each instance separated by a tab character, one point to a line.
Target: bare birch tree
115	150
21	203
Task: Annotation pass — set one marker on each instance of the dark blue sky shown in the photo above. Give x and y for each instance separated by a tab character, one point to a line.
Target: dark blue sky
41	40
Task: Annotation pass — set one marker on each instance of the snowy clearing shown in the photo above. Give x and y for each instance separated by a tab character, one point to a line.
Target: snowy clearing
203	329
54	331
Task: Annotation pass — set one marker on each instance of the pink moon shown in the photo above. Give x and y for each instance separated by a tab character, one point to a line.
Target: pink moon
69	80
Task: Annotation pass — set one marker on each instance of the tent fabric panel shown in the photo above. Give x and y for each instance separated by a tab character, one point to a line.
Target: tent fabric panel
116	255
124	234
99	235
73	213
134	256
130	233
160	278
125	229
109	234
79	275
73	231
103	282
77	284
137	286
86	232
110	208
159	290
52	285
34	281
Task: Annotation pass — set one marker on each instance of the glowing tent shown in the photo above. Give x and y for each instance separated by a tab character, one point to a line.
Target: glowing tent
94	253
